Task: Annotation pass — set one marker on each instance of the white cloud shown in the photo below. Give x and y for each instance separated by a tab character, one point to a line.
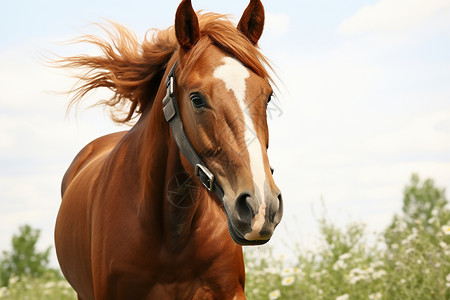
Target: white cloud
394	15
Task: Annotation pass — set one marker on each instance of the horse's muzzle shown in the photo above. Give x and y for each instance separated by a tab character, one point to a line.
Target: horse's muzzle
252	221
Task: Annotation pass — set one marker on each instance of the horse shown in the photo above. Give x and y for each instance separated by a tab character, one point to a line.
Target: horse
161	211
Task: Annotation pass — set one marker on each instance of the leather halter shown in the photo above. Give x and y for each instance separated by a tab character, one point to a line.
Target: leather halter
173	117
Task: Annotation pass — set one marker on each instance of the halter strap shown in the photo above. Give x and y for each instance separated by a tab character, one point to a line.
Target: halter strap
173	117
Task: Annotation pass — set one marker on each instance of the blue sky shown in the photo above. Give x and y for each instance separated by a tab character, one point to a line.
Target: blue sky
364	102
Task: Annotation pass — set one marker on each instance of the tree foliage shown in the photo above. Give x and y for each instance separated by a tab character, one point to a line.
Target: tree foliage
408	260
24	259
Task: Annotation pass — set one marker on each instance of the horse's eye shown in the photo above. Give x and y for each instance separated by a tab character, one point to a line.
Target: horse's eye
271	170
197	100
270	98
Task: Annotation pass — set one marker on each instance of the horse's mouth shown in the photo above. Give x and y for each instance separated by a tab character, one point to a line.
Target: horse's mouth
239	239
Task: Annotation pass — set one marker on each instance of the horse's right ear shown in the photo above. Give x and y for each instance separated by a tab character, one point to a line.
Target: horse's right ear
186	25
252	21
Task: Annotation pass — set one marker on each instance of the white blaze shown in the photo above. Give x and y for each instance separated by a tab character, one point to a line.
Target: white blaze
234	75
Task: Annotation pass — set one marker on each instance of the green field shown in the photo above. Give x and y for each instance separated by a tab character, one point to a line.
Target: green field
408	260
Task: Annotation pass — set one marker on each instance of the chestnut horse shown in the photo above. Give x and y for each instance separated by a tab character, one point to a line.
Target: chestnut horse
161	211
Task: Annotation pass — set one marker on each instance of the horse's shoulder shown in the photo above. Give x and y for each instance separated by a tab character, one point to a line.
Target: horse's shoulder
90	152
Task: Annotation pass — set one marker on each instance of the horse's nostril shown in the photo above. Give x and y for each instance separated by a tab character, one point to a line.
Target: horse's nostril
243	209
278	206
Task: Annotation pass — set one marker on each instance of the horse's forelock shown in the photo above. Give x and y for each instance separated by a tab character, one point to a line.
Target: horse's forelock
218	30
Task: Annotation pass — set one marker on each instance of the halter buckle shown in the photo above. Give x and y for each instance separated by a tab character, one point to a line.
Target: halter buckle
205	176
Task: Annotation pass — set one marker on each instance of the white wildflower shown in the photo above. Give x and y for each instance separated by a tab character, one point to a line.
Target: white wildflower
345	256
287	272
409	251
356	271
358	274
49	285
410	237
446	206
447	277
375	296
376	264
355	279
433	220
443	245
4	292
399	264
274	295
402	281
446	229
287	281
394	246
340	264
401	225
343	297
13	280
379	274
271	270
435	212
299	272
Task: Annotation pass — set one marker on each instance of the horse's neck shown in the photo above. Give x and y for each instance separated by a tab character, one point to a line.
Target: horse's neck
172	198
181	201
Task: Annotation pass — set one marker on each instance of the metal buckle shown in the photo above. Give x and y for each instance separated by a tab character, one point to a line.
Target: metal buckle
170	86
205	176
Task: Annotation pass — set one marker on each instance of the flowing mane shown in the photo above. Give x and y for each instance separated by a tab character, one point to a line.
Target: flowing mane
133	71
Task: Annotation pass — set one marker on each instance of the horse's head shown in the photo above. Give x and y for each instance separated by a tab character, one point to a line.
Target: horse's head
223	91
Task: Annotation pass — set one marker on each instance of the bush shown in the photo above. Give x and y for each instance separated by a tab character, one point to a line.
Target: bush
48	286
25	274
409	260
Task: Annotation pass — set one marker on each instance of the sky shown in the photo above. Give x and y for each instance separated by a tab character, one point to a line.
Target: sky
363	102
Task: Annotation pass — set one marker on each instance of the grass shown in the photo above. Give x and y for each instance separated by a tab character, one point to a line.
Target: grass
49	286
346	267
408	260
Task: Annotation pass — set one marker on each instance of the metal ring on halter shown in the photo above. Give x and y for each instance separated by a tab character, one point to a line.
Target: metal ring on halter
172	115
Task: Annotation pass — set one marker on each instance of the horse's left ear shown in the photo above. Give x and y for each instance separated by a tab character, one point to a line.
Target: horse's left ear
186	25
252	21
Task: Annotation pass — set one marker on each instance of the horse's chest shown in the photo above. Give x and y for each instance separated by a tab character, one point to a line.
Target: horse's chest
182	291
192	275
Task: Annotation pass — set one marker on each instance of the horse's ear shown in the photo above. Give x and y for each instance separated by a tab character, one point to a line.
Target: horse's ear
252	21
186	25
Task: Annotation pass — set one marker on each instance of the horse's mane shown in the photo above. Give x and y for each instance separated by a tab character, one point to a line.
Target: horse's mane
133	71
